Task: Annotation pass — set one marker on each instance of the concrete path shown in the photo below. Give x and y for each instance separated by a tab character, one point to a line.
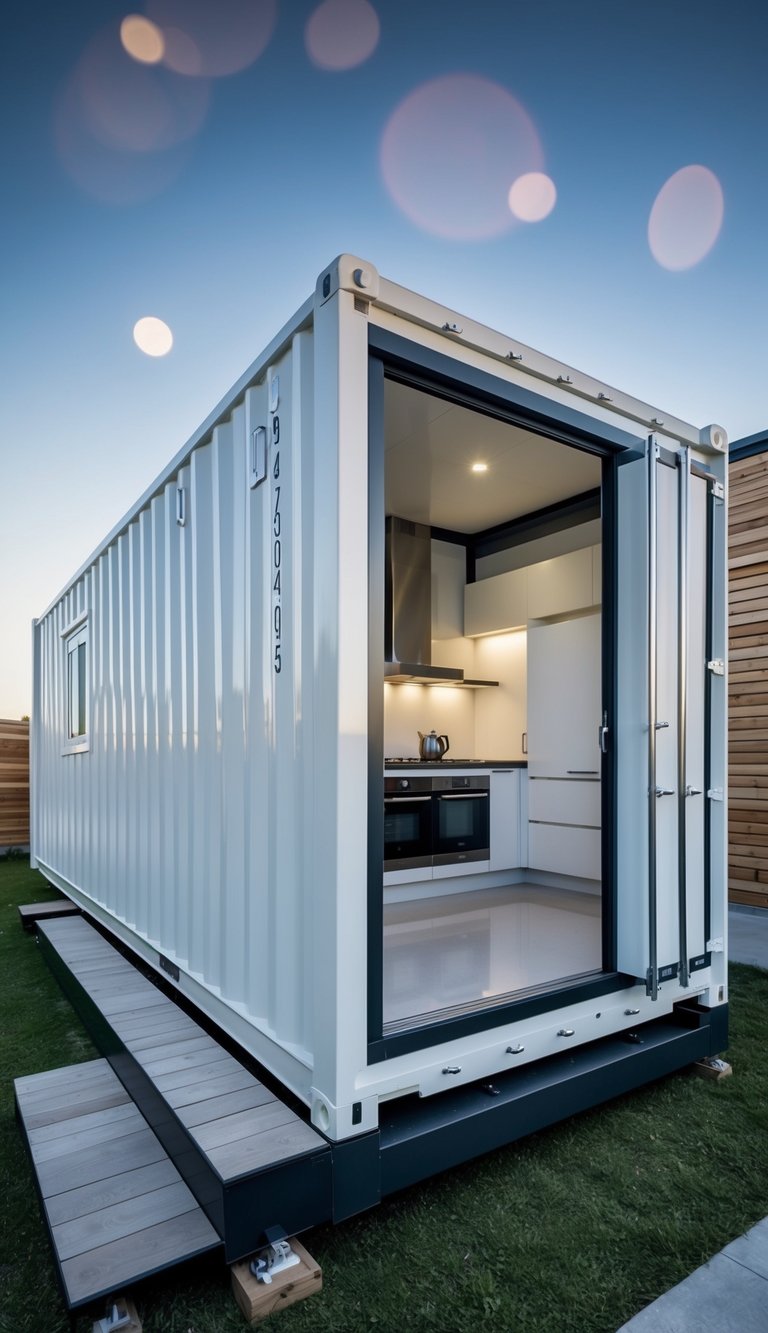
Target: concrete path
748	938
727	1295
730	1293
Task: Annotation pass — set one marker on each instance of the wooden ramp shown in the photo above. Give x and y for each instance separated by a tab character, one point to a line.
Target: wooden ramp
116	1207
250	1161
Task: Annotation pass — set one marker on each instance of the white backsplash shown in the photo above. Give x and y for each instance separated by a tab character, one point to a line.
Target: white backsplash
480	724
409	709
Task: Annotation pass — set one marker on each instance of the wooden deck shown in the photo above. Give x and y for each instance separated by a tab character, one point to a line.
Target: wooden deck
31	913
116	1207
237	1123
251	1162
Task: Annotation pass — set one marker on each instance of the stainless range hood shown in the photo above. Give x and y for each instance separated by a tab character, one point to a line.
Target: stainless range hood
408	610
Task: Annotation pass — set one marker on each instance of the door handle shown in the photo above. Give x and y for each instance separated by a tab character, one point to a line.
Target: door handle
665	791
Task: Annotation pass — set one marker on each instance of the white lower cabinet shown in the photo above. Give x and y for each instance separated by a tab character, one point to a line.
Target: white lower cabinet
565	801
565	850
505	819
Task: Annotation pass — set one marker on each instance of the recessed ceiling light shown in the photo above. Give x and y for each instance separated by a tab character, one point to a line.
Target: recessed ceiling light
479	467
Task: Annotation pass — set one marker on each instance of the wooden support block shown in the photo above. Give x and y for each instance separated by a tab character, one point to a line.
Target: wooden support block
124	1310
713	1068
258	1300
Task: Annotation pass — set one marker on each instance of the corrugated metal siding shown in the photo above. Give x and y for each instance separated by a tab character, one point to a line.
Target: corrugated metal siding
189	818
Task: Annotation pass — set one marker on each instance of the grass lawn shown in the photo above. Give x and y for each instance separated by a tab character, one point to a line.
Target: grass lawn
570	1231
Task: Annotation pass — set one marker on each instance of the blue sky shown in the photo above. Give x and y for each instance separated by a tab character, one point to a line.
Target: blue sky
223	235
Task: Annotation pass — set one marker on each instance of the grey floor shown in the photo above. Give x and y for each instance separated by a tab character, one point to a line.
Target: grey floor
730	1293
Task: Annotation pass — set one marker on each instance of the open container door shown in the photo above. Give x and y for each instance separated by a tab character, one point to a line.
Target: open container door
662	717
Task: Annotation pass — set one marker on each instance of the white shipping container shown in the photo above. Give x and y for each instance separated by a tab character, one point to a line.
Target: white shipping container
212	712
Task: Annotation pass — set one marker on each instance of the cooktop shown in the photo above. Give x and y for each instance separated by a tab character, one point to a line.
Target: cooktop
445	763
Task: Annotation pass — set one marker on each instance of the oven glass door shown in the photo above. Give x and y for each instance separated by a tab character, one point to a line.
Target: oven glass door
461	827
407	832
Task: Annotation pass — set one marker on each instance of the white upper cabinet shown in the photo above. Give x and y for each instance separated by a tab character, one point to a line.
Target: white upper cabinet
556	587
492	606
563	584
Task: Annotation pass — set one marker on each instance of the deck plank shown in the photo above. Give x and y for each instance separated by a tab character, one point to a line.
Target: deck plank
116	1206
213	1108
122	1219
244	1124
104	1193
112	1266
262	1150
98	1162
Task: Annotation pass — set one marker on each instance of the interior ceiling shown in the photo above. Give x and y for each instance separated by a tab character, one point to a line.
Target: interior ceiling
430	446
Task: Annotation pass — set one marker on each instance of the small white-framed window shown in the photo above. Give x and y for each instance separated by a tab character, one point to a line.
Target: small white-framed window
76	701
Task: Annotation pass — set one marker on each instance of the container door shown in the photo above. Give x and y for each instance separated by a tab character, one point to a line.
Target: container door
663	581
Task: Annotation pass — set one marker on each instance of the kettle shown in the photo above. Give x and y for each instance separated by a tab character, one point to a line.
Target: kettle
432	746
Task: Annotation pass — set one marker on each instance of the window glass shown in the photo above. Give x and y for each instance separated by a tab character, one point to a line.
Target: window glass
76	701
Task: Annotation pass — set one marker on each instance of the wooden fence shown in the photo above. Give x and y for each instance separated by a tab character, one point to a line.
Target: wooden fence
748	685
14	784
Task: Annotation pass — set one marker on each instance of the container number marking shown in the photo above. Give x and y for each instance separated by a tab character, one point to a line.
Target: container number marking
277	554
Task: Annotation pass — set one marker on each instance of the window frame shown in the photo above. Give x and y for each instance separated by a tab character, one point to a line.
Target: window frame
76	636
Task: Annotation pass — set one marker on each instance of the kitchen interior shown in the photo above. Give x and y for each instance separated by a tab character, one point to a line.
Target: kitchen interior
492	709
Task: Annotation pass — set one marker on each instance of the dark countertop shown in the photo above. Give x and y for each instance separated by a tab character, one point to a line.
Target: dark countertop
400	766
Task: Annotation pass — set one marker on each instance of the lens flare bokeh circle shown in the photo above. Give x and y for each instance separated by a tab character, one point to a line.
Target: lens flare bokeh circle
142	39
152	336
451	151
686	218
532	196
213	37
341	34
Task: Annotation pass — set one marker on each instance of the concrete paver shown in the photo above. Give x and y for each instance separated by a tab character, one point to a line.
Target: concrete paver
720	1297
748	935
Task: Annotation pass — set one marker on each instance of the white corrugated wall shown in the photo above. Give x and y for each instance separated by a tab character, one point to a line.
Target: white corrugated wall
189	819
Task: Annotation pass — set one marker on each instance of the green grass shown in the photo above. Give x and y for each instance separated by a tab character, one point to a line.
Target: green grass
571	1231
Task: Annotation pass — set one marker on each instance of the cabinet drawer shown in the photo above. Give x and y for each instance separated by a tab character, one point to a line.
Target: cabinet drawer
566	851
564	802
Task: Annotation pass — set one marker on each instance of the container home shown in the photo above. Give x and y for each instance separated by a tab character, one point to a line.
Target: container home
401	522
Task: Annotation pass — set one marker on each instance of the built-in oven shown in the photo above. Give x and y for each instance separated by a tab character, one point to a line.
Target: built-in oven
407	822
461	819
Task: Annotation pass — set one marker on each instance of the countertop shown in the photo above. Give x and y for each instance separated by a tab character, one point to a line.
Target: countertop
436	765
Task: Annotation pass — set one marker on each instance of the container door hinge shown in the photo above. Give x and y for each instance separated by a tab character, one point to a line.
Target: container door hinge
715	946
718	490
716	666
715	793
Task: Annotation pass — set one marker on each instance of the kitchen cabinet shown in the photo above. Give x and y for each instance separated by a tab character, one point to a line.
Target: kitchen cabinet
505	819
564	850
560	585
567	583
564	713
565	801
498	604
564	698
